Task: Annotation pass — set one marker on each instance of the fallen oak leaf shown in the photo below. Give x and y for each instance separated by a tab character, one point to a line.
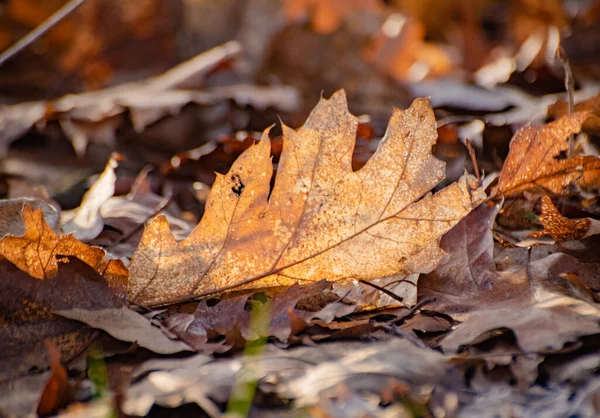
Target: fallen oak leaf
37	250
11	222
534	162
322	219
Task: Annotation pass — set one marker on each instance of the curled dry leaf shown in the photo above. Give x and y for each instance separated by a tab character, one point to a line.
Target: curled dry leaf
85	222
321	220
561	228
535	162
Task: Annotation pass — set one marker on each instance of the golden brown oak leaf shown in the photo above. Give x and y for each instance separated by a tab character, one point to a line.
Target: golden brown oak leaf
37	250
534	161
322	220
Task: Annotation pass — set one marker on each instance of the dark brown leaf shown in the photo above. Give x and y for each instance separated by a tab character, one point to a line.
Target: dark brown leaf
27	316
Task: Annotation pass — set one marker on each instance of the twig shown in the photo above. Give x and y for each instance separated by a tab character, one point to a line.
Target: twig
569	87
473	159
384	290
39	31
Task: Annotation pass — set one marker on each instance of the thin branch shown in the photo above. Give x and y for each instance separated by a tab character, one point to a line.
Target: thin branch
569	87
473	156
39	31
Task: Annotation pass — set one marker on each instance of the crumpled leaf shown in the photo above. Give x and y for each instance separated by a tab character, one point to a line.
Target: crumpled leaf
288	313
322	220
35	252
534	162
561	228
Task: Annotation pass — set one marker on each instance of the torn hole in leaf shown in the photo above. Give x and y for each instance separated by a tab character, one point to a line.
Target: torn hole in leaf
238	185
561	155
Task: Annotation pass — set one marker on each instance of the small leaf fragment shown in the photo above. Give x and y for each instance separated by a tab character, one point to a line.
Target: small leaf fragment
561	228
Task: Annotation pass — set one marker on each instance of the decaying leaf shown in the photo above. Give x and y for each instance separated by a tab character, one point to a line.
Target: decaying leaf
468	267
535	161
321	220
561	228
471	278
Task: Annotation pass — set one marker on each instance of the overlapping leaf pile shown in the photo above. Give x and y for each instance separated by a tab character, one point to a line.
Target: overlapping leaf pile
322	220
291	264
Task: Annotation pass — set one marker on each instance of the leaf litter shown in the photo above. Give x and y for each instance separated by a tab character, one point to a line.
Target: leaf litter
320	280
